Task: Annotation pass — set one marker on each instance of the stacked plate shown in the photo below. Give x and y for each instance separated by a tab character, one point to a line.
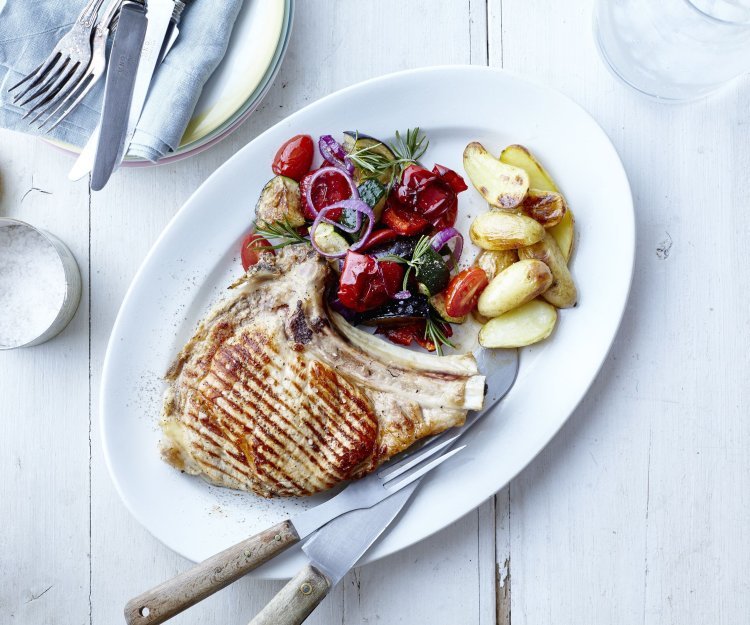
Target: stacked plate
257	47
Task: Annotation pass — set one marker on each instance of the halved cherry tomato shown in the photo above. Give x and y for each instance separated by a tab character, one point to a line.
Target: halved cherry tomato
402	220
378	237
330	187
294	157
464	290
367	283
252	247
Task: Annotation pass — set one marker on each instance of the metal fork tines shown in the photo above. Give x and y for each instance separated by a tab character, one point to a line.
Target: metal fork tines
65	65
370	490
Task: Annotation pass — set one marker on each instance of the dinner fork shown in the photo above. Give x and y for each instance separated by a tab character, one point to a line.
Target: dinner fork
66	63
75	93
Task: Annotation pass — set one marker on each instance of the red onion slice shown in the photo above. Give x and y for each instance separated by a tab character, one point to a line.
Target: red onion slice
334	153
402	295
455	242
316	174
357	205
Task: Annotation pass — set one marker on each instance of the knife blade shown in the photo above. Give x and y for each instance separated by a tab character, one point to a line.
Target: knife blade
118	90
159	16
334	549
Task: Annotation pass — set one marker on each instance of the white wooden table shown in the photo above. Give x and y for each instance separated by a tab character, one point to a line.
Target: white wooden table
636	513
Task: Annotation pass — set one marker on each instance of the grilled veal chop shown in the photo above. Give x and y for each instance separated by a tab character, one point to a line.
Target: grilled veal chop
275	395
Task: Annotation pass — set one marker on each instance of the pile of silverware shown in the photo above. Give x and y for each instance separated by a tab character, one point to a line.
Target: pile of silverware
144	32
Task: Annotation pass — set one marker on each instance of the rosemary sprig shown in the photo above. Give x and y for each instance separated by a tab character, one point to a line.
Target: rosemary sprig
406	150
282	230
417	259
433	332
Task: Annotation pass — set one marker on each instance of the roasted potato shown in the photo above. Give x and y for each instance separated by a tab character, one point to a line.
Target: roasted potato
518	284
519	156
503	186
527	324
546	207
564	234
438	303
562	292
498	230
280	202
495	261
479	317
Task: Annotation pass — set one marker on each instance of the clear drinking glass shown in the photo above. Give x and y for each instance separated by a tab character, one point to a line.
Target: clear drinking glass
674	50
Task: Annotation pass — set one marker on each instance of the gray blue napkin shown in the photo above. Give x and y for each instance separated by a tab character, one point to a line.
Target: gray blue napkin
29	31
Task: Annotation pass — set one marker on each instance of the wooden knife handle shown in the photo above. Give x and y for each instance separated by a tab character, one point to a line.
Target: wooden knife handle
295	601
179	593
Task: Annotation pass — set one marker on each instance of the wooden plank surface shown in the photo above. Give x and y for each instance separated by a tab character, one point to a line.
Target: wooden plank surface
637	510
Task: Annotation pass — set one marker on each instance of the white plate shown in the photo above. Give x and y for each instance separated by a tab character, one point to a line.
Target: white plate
196	257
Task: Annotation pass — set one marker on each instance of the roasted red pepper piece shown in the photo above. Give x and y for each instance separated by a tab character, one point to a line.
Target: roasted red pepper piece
329	188
403	220
366	283
412	333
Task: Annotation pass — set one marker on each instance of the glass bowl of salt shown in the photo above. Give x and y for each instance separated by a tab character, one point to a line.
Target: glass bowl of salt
40	285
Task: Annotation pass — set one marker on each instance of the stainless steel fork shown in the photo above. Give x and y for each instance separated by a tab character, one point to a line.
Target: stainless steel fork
64	66
72	96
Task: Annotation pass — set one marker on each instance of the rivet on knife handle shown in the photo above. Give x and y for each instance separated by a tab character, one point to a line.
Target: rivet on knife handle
179	593
295	601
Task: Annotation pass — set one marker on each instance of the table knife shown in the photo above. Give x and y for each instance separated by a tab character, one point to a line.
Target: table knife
118	90
332	552
160	15
334	549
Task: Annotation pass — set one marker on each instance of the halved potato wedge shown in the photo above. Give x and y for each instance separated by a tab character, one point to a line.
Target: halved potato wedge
518	284
525	325
519	156
495	261
564	234
503	186
562	292
499	230
546	207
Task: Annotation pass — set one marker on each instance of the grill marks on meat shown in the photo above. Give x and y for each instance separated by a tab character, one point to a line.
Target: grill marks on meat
269	397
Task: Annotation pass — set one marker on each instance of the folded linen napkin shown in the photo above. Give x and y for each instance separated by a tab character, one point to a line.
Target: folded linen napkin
30	30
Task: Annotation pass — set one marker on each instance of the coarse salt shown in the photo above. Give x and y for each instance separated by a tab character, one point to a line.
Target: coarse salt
32	285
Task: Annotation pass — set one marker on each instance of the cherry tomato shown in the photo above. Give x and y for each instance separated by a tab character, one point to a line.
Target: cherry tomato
330	187
252	246
402	220
294	157
379	237
366	283
464	290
